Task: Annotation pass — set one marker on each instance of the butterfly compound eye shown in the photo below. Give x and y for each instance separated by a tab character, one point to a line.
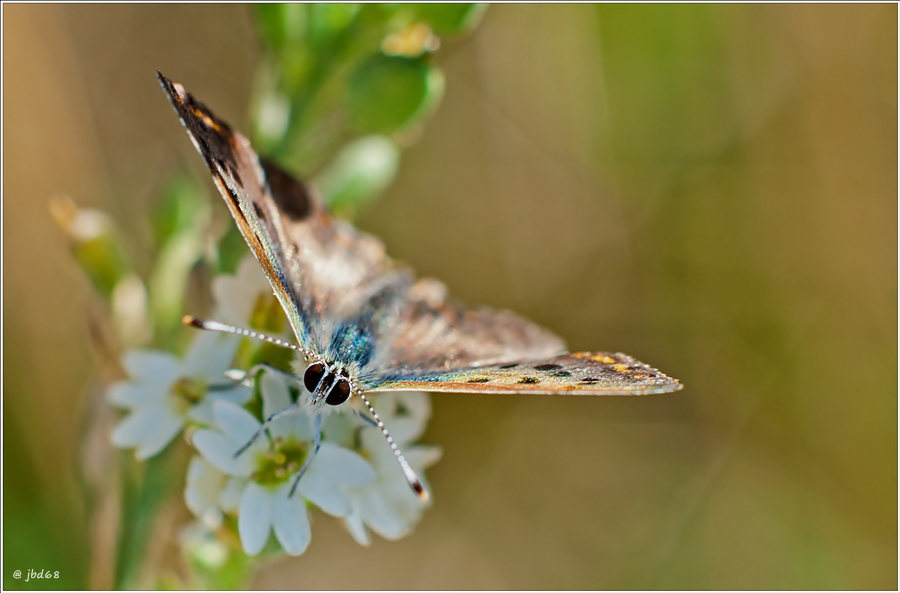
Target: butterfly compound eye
339	393
313	375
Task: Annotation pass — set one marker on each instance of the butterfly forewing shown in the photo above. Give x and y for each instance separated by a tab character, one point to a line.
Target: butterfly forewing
351	304
582	373
241	180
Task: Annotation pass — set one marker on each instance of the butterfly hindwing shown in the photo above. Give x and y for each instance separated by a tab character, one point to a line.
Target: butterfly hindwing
581	373
434	333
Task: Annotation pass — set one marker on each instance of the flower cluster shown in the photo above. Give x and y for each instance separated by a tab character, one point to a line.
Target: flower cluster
340	91
353	475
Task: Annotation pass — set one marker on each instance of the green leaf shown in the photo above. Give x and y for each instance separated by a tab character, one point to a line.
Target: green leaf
273	115
276	356
178	208
281	25
387	92
232	249
145	489
434	92
449	19
233	574
329	20
103	260
363	169
169	280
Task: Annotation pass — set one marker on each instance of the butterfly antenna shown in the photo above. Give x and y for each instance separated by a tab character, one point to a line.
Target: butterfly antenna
411	476
215	326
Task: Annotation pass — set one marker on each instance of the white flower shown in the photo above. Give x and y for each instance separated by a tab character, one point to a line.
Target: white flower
200	544
203	491
267	470
245	295
164	392
387	505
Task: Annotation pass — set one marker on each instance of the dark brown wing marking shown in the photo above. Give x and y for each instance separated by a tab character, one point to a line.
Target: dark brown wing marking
293	198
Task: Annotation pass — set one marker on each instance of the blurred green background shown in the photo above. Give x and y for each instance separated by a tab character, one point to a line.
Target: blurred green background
712	189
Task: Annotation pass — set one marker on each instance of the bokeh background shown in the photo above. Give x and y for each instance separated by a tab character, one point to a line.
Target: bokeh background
712	189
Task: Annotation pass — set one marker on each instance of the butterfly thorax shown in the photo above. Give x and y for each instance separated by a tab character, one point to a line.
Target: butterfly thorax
357	336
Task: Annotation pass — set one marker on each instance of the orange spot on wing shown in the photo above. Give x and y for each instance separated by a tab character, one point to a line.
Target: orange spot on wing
210	122
595	357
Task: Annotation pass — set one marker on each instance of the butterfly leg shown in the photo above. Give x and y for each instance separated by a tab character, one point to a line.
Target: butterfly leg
251	372
365	418
265	425
317	442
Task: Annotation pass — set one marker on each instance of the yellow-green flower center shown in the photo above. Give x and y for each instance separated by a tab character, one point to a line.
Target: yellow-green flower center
188	391
281	461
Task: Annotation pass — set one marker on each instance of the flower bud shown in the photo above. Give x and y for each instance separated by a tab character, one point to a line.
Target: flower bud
94	242
360	171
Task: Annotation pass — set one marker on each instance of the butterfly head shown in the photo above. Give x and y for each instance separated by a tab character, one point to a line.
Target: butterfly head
327	383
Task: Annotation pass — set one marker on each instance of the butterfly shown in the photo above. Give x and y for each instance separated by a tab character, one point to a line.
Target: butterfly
364	322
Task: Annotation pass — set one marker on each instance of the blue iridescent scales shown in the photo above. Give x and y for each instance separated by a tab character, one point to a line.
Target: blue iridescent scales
351	305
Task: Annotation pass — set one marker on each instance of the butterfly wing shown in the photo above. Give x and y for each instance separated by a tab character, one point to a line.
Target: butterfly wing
581	373
340	290
433	334
320	268
241	179
347	301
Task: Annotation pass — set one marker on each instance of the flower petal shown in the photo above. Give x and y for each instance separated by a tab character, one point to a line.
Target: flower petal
340	428
254	518
295	424
134	428
417	404
290	521
128	394
230	497
204	483
210	355
404	429
167	428
219	450
342	466
203	412
275	393
237	395
236	295
382	516
357	529
422	456
235	421
410	424
152	367
149	428
379	451
323	493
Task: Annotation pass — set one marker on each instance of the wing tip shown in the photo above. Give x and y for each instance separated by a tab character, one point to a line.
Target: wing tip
173	90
